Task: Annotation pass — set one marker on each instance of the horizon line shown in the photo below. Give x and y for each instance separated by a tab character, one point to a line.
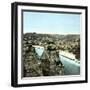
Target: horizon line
51	33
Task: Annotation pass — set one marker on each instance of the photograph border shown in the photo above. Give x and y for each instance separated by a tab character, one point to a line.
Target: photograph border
14	43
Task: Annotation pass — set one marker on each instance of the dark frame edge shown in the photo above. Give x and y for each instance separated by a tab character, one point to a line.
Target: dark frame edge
52	83
50	5
13	45
86	44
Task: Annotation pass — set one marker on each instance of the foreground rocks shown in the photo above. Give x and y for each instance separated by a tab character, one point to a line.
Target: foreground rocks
48	64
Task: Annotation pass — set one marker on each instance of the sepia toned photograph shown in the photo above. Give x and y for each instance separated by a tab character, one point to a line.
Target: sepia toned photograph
49	44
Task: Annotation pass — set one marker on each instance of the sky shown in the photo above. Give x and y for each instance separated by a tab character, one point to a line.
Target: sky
52	23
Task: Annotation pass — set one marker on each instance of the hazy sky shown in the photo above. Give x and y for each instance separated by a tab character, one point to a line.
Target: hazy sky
42	22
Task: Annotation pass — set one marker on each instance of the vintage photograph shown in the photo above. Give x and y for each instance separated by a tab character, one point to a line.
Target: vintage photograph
50	44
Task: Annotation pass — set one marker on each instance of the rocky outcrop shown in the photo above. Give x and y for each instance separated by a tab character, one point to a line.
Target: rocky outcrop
32	64
48	64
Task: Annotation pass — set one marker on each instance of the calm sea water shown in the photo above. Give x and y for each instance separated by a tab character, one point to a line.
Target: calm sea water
70	67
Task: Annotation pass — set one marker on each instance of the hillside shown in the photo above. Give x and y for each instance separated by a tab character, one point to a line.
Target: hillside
70	42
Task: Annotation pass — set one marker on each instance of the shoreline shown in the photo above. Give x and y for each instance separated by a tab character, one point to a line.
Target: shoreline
69	56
